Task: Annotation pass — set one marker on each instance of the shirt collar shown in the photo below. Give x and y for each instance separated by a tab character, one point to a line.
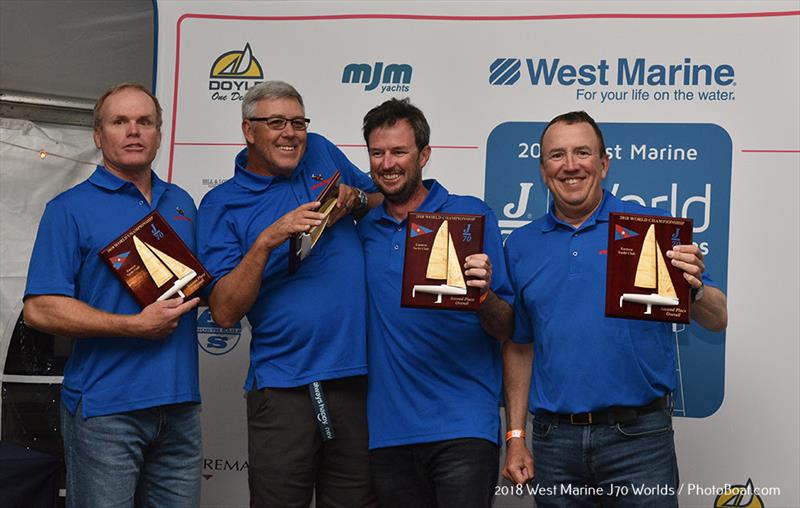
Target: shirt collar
105	179
248	179
600	215
434	201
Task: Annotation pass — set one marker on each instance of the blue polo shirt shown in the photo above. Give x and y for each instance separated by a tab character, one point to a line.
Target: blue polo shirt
309	326
582	360
112	374
433	374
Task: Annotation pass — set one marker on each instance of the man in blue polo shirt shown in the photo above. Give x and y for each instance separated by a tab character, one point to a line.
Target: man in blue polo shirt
130	397
434	375
601	387
308	350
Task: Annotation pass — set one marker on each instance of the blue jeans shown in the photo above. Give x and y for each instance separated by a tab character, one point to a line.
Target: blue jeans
619	465
459	473
145	458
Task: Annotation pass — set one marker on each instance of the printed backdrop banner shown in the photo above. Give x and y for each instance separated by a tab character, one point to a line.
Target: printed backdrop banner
698	102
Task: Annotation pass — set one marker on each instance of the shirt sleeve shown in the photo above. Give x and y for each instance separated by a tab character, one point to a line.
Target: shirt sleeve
523	329
493	247
217	243
351	175
56	258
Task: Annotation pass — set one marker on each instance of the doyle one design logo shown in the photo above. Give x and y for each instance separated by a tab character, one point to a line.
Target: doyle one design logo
389	77
739	496
233	73
622	71
237	64
214	339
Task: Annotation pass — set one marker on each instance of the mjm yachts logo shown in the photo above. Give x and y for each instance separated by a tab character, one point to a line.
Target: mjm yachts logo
233	73
390	77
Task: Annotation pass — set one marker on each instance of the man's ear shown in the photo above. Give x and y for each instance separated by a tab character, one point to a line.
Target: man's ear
247	131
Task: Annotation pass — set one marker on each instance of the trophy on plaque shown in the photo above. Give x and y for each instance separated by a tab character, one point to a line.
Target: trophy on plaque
146	269
300	244
638	271
433	274
163	268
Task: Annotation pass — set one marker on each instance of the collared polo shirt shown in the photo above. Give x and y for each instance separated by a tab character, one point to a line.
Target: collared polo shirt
309	326
583	361
433	374
113	374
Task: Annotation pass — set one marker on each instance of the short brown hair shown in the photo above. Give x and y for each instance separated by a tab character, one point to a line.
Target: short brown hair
393	110
574	117
116	88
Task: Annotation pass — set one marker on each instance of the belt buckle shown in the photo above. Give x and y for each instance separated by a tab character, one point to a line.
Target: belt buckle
575	422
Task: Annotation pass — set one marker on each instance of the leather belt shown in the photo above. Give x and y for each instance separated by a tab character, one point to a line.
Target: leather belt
610	416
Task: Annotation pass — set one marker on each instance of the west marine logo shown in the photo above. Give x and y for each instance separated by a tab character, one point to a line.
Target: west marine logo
603	72
390	78
739	496
235	72
504	71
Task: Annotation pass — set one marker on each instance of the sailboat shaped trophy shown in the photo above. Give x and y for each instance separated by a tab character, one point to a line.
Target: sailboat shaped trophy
154	263
433	271
641	282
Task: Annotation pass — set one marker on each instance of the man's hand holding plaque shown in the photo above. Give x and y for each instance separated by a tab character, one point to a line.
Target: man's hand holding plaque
302	242
643	282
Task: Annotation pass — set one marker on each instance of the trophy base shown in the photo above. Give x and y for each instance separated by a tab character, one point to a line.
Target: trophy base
442	289
177	286
649	300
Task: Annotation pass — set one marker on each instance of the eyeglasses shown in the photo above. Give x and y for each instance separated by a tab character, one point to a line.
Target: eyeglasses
560	155
278	123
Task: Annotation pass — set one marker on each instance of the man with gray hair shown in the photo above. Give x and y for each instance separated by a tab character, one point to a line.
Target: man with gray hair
306	401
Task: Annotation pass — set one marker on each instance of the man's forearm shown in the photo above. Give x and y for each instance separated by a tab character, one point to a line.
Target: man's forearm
496	317
69	317
517	362
374	199
235	293
711	311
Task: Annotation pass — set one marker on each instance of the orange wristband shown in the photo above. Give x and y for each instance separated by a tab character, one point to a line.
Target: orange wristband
511	434
483	297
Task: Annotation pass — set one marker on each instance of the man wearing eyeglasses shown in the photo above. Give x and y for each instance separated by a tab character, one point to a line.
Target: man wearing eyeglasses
307	378
600	394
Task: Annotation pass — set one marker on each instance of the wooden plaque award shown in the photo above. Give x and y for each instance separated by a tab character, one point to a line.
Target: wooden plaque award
433	271
300	244
154	263
641	282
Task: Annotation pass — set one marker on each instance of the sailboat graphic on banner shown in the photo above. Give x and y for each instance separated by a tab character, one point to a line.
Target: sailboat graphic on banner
443	265
162	268
652	273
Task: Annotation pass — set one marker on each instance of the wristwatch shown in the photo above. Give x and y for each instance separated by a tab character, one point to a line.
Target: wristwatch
697	293
363	201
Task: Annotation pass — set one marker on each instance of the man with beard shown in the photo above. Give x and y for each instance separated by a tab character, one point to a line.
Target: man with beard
435	375
130	398
308	350
600	394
